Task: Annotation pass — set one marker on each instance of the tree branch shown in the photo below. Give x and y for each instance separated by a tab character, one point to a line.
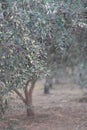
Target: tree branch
26	90
32	87
20	95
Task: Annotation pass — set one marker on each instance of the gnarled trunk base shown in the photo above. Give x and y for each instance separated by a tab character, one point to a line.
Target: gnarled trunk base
30	111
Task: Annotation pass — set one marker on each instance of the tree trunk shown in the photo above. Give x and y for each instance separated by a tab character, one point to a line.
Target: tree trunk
48	84
27	100
29	108
28	95
46	89
1	106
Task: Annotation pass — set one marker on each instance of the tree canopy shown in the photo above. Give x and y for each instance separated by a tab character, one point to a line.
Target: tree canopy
38	36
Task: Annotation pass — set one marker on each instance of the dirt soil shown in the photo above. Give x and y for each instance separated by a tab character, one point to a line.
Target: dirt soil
64	108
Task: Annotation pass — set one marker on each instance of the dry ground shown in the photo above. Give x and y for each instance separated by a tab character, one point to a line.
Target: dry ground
60	110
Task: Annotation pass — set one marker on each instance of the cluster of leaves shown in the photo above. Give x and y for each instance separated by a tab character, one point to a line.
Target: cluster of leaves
22	56
36	34
62	38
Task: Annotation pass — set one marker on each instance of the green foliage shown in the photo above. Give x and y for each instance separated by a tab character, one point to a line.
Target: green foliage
21	54
37	36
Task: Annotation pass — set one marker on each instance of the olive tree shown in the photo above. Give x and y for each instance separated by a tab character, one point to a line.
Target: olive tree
22	55
37	37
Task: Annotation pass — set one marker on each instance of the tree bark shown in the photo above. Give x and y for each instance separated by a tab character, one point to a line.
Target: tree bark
46	89
20	95
28	96
48	84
